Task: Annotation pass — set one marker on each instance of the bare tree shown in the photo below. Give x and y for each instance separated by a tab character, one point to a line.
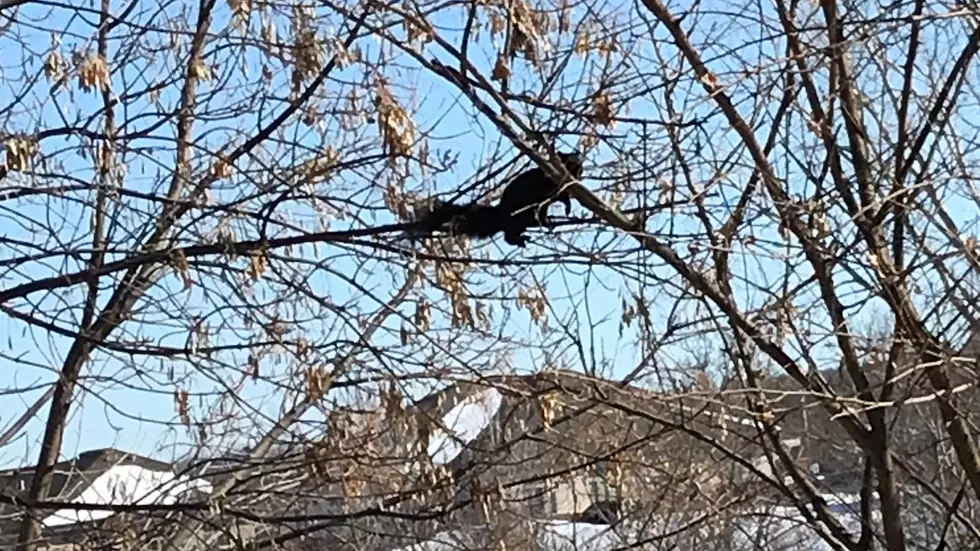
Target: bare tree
206	205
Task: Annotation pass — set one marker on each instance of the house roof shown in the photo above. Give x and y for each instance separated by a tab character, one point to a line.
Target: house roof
105	476
72	476
562	419
911	412
557	424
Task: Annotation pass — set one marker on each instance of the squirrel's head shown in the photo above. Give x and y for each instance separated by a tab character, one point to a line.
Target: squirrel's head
573	163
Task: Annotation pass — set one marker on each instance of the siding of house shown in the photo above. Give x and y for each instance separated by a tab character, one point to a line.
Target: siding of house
591	452
560	445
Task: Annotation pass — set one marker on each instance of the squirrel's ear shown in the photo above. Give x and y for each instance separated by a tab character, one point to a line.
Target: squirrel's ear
572	160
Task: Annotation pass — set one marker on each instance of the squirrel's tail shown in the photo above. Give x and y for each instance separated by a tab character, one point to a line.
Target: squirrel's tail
480	221
473	219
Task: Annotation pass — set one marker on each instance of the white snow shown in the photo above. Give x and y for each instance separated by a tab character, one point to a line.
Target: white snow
126	485
466	421
769	529
560	535
449	540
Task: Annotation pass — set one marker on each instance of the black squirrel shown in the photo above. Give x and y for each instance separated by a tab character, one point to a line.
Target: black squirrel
523	204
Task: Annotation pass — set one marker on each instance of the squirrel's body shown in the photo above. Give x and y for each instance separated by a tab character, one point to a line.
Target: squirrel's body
522	205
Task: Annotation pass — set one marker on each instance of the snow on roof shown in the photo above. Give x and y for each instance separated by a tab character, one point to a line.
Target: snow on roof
578	536
126	485
766	529
449	540
466	421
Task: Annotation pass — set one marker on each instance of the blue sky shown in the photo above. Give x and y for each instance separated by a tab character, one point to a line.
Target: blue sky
130	419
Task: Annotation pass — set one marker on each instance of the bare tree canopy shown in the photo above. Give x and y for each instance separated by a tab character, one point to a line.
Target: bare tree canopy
227	325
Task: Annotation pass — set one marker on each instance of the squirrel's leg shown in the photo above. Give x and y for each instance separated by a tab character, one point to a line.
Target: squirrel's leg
566	200
541	215
514	235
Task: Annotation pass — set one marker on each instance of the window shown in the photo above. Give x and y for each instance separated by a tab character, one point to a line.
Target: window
246	531
596	490
598	486
538	497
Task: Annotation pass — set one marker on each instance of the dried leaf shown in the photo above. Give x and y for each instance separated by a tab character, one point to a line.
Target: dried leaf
417	31
256	265
183	410
393	403
54	66
179	263
253	364
93	74
587	141
497	24
200	336
602	109
483	317
462	312
583	41
353	484
614	474
423	315
397	128
534	301
267	32
608	47
529	25
317	383
240	8
344	56
501	71
308	51
311	116
303	348
629	312
221	168
565	18
200	70
550	403
277	329
21	150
